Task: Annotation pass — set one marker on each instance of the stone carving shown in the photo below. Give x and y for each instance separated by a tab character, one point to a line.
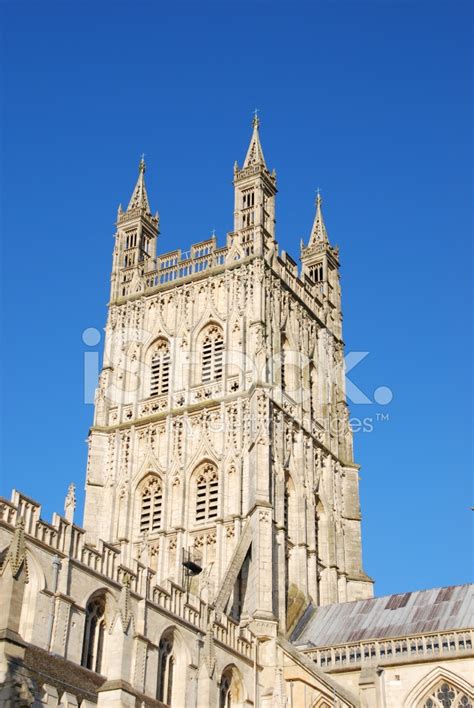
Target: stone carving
16	554
209	650
70	503
124	607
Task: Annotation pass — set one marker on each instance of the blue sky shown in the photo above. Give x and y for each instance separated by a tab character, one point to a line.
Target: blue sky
370	101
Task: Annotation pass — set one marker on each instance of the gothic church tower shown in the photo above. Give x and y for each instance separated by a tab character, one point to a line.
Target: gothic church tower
220	561
221	435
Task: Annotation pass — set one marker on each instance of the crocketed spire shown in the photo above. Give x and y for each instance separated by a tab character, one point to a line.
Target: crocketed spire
139	198
255	153
318	232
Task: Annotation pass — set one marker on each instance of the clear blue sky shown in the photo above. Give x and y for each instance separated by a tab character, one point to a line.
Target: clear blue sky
370	101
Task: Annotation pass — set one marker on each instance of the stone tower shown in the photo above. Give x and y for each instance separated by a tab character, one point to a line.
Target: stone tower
220	564
221	435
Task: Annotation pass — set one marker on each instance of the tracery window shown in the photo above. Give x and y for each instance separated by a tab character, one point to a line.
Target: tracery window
212	355
230	688
160	369
207	493
225	697
447	696
151	506
166	663
94	632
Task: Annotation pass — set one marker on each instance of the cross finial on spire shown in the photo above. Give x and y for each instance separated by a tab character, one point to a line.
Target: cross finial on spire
142	165
256	119
318	197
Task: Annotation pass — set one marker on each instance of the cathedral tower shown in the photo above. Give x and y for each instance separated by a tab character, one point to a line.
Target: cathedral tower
221	441
220	561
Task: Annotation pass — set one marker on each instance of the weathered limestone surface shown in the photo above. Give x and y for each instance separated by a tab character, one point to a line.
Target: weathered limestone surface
222	498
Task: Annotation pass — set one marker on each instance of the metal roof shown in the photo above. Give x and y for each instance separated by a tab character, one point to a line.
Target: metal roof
435	610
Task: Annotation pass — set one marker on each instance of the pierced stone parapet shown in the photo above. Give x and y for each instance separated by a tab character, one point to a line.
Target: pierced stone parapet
177	265
387	651
68	541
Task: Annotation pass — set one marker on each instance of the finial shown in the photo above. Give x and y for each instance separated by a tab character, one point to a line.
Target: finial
142	165
70	503
318	198
256	119
213	233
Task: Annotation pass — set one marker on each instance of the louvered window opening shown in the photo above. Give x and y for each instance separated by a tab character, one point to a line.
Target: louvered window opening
160	373
212	359
151	511
207	496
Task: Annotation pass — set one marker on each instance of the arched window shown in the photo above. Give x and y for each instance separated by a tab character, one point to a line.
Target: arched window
446	695
94	632
164	691
151	506
212	355
231	692
160	369
225	697
207	493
